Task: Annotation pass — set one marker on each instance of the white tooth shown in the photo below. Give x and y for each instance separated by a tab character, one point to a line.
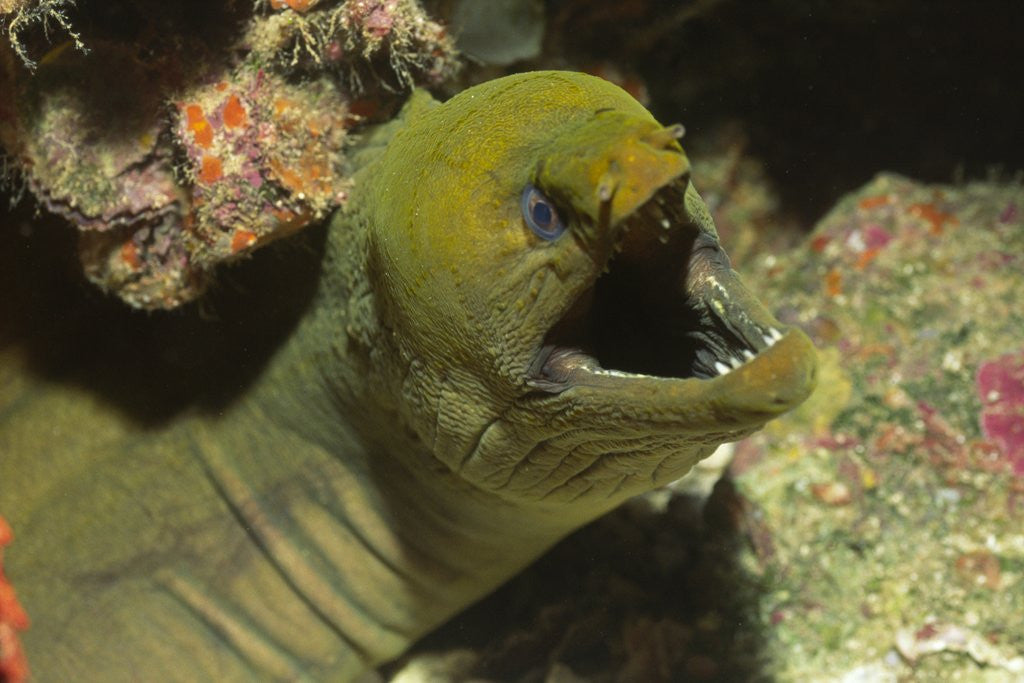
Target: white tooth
776	335
748	354
617	373
665	224
768	340
722	368
736	363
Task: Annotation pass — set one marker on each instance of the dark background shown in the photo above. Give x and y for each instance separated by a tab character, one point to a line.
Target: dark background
830	92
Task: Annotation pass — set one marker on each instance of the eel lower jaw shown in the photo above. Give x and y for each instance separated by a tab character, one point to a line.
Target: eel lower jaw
731	405
558	367
669	323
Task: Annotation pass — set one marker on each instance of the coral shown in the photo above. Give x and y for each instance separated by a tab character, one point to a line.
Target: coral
1000	385
146	263
13	666
351	37
198	154
263	160
107	168
23	14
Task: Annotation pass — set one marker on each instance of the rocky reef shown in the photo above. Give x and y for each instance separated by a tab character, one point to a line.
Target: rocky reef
175	140
887	513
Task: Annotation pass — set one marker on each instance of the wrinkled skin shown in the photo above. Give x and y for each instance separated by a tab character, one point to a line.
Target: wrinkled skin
460	395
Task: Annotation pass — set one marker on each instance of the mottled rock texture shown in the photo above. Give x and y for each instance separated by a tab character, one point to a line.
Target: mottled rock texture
888	530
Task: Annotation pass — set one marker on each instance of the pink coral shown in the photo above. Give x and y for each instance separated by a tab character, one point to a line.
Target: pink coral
1001	388
379	22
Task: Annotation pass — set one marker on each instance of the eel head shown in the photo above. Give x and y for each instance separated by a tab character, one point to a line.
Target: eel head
574	330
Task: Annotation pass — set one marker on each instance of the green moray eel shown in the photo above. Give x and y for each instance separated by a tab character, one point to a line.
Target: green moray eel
523	319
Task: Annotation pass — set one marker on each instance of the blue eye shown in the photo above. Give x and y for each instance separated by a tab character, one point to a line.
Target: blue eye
540	214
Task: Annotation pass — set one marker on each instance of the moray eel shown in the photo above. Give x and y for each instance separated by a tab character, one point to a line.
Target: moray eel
524	318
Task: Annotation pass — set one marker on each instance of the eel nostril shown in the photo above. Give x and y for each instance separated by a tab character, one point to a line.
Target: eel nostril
666	137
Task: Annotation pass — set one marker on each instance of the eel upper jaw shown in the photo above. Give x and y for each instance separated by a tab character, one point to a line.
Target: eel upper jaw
669	321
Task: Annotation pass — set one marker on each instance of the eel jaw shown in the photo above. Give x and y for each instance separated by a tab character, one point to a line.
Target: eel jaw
670	320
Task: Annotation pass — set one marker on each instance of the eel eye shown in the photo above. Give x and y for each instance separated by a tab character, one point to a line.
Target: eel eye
540	214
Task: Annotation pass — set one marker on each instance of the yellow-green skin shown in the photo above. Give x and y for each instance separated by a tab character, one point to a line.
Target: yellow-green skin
392	464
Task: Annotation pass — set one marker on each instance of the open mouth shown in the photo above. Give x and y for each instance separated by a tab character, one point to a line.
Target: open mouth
668	306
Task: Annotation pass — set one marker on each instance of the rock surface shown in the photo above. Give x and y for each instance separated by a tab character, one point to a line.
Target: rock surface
225	129
888	525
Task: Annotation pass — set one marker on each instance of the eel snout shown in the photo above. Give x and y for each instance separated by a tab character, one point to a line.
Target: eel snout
669	312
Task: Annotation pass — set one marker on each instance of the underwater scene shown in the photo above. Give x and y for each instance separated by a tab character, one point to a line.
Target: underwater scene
550	341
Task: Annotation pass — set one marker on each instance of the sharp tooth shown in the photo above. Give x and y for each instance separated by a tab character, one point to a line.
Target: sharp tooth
706	358
748	354
768	340
776	335
618	373
722	368
736	363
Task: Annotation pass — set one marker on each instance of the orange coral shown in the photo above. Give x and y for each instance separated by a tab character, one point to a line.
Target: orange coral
130	255
281	104
234	113
289	178
935	217
13	665
211	169
200	127
875	201
866	257
297	5
242	239
834	283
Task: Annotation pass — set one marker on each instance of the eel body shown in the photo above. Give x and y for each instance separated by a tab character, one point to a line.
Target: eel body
523	319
